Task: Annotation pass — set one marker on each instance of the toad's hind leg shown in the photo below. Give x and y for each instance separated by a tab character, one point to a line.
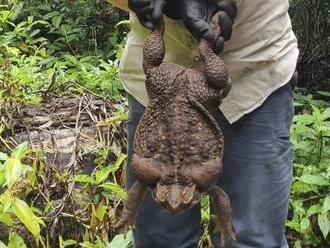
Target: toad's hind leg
223	214
135	197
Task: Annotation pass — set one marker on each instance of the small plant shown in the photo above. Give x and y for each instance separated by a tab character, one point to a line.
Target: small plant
100	177
13	210
18	214
310	199
55	49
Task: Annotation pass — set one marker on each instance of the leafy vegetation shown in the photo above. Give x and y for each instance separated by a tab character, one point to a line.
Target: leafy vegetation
50	50
56	47
24	218
310	199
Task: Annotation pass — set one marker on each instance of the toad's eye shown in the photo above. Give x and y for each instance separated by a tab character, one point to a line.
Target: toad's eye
186	181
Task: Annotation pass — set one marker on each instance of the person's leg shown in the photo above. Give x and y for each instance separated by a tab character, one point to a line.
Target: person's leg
258	172
155	228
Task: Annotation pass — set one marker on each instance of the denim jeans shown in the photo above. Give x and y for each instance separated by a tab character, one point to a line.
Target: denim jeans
257	177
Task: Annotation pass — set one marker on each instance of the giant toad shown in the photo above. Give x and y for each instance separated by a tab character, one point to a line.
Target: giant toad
178	145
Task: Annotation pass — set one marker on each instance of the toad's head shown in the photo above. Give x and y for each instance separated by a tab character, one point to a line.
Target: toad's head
176	188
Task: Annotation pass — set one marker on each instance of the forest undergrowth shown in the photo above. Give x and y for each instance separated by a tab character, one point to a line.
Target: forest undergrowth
63	132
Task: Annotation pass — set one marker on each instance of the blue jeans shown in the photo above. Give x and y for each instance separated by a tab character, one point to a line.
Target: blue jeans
257	177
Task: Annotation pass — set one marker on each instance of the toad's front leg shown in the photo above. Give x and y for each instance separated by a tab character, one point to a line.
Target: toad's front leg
215	70
154	48
135	197
223	214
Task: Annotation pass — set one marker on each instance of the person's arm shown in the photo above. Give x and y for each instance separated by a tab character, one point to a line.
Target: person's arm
122	4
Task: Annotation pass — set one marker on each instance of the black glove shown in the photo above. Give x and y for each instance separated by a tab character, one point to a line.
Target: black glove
150	11
196	14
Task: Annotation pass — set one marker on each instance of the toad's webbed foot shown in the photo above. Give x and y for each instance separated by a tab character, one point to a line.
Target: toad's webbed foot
223	214
135	196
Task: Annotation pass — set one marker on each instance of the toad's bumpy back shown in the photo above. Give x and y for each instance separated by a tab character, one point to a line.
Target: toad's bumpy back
178	145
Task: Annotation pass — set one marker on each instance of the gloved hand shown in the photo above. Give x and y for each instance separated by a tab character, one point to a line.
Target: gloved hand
196	14
150	11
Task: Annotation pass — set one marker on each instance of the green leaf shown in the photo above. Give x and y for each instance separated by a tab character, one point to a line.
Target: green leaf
87	244
30	19
304	224
103	174
123	22
69	242
297	244
300	187
293	225
42	22
298	104
25	214
304	119
2	245
20	26
71	58
84	179
6	218
323	93
3	156
120	160
304	132
38	40
117	118
315	209
66	243
13	50
20	151
15	241
326	204
120	242
101	211
2	174
56	20
114	188
99	243
316	110
326	114
50	15
5	14
6	200
315	180
34	33
324	224
14	169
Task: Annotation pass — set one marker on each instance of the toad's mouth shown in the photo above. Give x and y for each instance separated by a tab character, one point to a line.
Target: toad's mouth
176	197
